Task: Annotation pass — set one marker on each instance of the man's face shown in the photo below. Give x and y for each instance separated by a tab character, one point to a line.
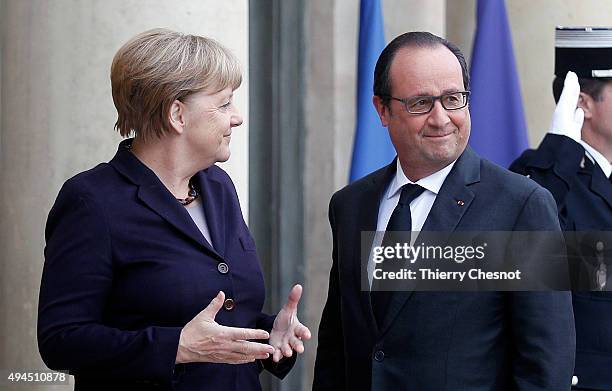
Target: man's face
601	120
425	143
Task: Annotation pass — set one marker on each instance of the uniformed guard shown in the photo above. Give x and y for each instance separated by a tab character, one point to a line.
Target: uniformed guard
573	163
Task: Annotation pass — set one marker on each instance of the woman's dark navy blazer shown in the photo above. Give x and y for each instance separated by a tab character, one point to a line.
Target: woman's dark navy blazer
126	268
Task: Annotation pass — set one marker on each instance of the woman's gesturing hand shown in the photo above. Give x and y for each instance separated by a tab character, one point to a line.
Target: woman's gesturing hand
287	333
204	340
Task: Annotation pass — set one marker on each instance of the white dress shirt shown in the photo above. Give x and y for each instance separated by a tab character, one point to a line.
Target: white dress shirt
419	207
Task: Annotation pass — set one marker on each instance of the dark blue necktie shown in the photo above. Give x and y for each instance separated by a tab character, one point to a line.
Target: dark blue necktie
401	220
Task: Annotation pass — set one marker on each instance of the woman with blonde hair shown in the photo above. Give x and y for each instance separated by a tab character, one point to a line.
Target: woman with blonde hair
151	279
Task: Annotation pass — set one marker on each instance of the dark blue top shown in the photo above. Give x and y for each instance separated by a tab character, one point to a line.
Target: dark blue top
126	268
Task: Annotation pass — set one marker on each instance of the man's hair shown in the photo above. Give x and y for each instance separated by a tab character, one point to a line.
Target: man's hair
159	66
591	87
414	39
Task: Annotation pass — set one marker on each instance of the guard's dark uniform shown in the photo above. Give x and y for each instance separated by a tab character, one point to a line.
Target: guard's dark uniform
584	201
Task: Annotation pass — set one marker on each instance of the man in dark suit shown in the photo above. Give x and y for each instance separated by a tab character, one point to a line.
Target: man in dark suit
573	163
416	340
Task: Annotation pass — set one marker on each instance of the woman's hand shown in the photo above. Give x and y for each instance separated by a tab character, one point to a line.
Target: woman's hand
204	340
287	333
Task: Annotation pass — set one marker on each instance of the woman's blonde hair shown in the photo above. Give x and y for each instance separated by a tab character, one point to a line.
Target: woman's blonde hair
159	66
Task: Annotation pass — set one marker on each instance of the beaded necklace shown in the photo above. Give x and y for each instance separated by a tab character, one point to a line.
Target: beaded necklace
192	194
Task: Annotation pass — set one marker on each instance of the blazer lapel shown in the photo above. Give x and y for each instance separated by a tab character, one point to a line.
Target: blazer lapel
160	200
153	193
213	196
452	201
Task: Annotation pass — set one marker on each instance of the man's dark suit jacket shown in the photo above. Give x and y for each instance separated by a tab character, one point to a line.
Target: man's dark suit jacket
584	202
126	268
444	340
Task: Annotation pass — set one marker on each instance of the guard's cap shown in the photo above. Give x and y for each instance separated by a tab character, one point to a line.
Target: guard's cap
587	51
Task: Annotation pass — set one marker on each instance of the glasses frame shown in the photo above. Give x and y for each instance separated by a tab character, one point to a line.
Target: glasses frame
466	95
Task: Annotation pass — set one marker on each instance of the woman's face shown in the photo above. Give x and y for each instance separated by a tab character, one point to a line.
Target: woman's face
209	119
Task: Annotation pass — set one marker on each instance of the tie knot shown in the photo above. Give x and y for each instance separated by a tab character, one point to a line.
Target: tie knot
410	191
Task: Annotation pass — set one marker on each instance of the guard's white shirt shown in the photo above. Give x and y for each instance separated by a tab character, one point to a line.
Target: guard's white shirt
597	158
419	207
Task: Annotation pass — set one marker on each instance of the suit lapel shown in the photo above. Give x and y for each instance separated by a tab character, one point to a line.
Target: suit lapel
452	201
153	193
367	221
455	196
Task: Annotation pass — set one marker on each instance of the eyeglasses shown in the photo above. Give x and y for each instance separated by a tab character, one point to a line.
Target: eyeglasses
424	104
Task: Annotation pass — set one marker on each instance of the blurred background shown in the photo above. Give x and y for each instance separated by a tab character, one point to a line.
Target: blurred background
293	151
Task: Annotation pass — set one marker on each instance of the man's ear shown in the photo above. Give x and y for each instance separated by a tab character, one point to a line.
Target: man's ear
586	103
383	111
176	116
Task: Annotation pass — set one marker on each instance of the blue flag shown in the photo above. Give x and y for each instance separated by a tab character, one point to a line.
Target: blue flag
499	132
372	148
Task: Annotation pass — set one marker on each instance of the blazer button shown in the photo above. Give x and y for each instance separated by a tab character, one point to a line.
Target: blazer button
229	304
379	355
223	268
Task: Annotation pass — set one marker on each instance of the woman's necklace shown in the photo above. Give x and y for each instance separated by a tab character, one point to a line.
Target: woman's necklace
192	194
